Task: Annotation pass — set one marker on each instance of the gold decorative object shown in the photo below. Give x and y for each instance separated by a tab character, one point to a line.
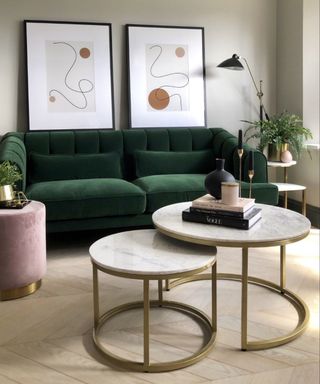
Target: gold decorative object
250	174
6	194
240	154
12	199
16	293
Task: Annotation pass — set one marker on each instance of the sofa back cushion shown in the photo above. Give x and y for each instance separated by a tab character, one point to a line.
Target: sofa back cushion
168	162
80	166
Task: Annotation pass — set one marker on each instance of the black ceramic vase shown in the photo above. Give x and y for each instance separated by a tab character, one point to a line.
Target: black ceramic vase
214	179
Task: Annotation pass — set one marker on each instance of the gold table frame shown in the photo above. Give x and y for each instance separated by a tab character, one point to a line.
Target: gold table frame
146	304
245	279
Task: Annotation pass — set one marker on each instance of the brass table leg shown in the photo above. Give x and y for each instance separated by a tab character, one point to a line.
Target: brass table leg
96	310
244	300
146	326
286	199
214	297
285	193
304	203
160	292
282	268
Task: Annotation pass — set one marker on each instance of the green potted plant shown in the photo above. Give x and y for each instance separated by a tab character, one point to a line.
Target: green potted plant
280	133
9	175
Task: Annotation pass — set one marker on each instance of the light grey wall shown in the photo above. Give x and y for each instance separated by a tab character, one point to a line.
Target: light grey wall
298	84
246	27
311	82
289	56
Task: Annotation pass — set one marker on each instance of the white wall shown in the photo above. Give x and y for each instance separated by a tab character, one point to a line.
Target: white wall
247	27
289	56
298	83
311	82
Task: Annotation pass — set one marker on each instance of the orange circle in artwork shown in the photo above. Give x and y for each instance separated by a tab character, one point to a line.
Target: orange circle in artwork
52	99
85	53
158	98
180	52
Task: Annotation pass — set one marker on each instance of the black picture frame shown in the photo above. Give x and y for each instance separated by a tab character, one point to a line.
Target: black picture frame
69	75
166	76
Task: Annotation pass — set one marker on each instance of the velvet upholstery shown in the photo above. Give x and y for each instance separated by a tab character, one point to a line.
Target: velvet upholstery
148	163
169	169
70	167
23	246
163	190
87	198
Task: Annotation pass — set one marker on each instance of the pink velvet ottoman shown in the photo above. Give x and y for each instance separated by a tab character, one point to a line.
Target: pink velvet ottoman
22	250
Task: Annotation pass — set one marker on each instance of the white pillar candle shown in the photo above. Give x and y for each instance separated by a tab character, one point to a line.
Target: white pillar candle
230	193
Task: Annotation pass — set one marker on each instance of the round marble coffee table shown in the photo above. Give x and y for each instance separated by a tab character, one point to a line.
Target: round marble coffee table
148	255
278	226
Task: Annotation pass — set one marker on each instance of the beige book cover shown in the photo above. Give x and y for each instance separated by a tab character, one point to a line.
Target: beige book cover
209	202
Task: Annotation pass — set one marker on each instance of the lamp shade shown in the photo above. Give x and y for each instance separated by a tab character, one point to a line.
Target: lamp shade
232	63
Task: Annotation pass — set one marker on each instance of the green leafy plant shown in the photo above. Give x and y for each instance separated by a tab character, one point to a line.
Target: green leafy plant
280	129
9	173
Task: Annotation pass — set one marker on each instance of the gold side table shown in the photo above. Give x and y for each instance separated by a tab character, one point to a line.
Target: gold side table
148	255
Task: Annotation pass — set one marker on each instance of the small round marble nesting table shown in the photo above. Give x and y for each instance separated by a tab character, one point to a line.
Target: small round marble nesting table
277	227
149	255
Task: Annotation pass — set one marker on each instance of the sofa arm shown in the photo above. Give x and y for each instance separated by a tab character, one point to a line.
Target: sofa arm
12	148
264	193
260	165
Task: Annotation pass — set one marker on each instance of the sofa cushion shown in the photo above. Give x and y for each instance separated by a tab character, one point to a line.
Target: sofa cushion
69	167
163	190
165	162
88	198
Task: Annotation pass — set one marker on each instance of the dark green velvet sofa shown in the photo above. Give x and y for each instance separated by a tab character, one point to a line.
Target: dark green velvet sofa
111	179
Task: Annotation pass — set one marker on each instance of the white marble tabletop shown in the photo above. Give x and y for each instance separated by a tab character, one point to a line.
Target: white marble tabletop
277	164
278	226
148	252
287	187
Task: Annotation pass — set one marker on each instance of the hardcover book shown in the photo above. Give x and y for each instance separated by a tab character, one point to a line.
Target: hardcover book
222	212
209	202
234	222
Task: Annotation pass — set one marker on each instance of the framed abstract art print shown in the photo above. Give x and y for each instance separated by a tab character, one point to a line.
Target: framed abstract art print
166	76
69	71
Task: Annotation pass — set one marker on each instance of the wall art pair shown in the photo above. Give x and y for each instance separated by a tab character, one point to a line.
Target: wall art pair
70	76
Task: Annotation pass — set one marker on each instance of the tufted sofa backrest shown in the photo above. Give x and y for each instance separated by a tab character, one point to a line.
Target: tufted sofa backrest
125	143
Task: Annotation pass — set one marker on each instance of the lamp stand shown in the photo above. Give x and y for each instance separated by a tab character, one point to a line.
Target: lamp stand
240	154
259	92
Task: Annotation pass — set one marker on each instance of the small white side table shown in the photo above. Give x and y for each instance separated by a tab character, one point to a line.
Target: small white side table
287	187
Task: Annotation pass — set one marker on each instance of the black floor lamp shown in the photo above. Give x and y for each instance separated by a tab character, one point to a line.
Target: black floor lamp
235	64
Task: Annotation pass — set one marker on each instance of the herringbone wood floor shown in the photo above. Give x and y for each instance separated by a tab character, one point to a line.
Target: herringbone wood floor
46	337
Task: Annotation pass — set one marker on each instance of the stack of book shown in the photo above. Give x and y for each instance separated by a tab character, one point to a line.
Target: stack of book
208	210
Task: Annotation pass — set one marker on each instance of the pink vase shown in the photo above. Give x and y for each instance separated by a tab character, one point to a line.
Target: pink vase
286	156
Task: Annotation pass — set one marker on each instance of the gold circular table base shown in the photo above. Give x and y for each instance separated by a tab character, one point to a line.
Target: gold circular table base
16	293
296	301
189	310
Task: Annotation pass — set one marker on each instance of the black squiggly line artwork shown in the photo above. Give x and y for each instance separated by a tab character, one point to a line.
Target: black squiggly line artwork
80	83
160	93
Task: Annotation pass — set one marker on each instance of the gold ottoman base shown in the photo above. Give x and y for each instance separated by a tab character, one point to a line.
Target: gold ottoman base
15	293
